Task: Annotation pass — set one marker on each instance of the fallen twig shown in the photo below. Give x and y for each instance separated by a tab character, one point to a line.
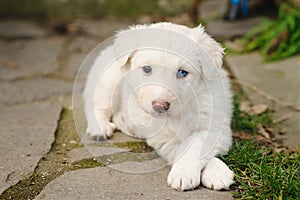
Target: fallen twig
281	119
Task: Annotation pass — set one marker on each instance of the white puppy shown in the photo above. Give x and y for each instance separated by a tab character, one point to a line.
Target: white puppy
165	83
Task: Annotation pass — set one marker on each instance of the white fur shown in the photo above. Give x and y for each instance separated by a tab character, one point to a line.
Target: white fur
186	135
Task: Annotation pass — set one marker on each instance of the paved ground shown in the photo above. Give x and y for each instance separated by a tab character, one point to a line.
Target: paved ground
279	80
37	70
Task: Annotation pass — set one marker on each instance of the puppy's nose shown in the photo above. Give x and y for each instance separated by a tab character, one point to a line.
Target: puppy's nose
160	105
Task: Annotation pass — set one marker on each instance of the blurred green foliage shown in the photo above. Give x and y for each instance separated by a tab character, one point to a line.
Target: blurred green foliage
276	39
71	9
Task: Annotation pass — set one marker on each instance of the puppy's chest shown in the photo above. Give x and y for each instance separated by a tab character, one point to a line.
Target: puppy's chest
139	124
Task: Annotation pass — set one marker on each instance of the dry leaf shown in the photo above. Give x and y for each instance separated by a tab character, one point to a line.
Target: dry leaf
270	129
258	109
242	135
282	131
262	131
10	65
282	118
245	106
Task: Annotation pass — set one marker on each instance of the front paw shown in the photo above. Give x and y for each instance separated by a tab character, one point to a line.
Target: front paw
217	175
183	177
103	131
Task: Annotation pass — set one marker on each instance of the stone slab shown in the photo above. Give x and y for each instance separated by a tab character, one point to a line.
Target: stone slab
74	62
76	51
88	152
25	58
222	30
212	9
279	79
107	184
32	90
104	28
118	137
140	167
21	29
82	44
26	133
291	126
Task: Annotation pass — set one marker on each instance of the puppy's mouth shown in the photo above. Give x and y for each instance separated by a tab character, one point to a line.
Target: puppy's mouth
158	114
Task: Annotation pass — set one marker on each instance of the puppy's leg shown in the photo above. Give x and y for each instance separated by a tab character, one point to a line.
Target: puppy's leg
105	128
99	89
98	113
217	175
98	118
186	170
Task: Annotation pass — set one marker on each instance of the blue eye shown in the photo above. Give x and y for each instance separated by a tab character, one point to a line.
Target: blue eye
147	69
182	73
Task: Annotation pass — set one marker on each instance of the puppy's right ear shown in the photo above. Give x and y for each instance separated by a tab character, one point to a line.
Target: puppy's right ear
124	61
124	49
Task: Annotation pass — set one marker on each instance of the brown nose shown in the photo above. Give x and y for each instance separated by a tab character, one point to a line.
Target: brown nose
160	106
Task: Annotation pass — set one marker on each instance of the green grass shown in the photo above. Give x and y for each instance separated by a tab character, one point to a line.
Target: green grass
261	174
276	39
242	121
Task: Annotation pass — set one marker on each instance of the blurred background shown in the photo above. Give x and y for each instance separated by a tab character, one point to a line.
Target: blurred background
44	42
74	9
67	16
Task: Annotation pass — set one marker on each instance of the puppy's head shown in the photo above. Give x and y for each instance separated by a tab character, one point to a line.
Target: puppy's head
166	63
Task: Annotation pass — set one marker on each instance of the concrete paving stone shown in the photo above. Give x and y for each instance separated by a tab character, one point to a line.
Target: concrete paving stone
291	125
32	90
108	184
74	63
82	44
228	30
65	101
26	133
21	29
140	167
118	137
88	152
23	58
78	50
279	79
212	9
104	28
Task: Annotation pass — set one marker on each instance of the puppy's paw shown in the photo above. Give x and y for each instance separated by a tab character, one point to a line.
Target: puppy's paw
217	175
183	177
103	132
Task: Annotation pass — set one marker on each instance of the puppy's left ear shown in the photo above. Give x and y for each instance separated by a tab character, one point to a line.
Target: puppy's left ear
211	47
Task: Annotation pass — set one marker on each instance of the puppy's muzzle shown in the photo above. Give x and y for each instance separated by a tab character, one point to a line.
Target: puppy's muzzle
160	106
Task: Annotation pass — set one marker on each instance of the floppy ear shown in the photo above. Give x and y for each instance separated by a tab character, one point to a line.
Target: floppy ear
125	47
124	61
122	55
211	47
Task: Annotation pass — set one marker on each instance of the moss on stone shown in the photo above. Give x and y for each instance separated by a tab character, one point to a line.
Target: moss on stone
135	147
53	164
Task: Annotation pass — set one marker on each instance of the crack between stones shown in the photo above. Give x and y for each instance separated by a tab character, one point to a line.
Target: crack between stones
55	162
50	166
